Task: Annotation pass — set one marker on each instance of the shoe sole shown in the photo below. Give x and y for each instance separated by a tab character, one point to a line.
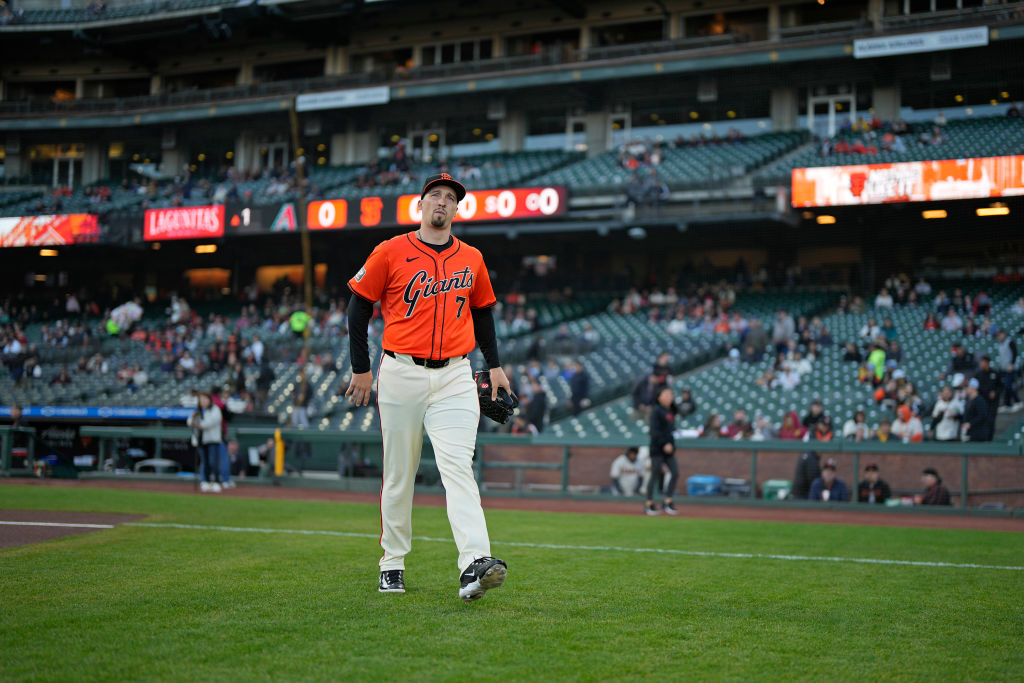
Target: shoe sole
651	513
390	590
492	578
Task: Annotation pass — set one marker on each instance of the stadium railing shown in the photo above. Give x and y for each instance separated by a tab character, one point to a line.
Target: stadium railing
504	452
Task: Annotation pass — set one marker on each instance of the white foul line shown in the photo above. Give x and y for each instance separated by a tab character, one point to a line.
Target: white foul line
602	548
61	524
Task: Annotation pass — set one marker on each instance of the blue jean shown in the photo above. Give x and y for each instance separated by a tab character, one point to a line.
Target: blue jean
225	464
209	461
1009	390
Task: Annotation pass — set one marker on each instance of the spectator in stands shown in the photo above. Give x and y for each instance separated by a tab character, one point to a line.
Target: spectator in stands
808	470
931	323
990	388
626	473
737	426
645	393
1006	356
757	338
889	330
907	427
782	331
186	365
712	428
536	408
662	446
962	362
139	378
857	428
686	405
934	492
822	429
62	378
873	489
884	299
829	487
763	429
1018	308
975	423
815	413
952	322
206	424
870	331
851	354
946	414
579	387
1013	111
520	427
791	428
884	433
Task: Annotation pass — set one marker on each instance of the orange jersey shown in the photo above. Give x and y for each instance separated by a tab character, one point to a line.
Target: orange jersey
425	296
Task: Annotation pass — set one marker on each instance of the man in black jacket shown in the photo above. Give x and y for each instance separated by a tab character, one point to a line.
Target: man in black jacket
808	468
663	449
934	492
989	387
873	489
975	421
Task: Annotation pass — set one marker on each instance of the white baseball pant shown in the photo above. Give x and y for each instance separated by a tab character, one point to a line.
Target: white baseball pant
444	401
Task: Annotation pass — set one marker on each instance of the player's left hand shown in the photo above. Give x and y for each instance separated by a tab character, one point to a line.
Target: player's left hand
498	379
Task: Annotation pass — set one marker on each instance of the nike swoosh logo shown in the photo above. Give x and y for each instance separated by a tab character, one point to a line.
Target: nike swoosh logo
411	259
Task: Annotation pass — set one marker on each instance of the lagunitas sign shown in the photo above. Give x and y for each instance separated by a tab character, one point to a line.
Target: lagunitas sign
190	222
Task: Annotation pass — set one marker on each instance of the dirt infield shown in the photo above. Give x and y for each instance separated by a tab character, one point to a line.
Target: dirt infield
687	509
34	526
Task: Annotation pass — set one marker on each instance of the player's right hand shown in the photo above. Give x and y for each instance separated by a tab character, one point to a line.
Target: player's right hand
358	391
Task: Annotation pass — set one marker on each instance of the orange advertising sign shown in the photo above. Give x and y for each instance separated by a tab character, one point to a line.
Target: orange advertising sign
912	181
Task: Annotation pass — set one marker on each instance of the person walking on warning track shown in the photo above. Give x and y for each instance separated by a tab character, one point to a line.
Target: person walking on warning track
436	301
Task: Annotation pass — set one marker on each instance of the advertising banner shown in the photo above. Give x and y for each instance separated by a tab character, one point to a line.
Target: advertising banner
340	99
932	41
913	181
189	222
42	231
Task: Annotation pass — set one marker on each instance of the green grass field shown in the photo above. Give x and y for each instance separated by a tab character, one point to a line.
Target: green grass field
164	603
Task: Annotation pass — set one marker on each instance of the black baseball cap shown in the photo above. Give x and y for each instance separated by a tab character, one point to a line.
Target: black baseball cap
931	471
872	467
444	179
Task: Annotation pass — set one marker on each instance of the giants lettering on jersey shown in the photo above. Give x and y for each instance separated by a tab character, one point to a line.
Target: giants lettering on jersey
422	285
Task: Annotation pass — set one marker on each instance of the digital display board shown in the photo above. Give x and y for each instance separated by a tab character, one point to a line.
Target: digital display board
912	181
48	230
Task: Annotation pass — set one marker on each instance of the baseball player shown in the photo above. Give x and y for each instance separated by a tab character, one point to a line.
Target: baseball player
436	301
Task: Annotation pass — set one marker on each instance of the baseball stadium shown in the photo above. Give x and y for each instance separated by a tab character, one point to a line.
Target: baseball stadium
537	340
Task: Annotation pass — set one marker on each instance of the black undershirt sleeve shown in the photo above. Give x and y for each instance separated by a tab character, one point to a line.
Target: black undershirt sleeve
359	313
486	339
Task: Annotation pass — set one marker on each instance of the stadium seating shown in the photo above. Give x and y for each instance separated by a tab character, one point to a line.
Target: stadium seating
980	137
722	388
681	166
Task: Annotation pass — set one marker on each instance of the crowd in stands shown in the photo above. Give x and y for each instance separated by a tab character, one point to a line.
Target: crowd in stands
868	136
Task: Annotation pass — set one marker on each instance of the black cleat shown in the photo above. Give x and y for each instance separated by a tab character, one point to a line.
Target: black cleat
482	575
670	509
391	581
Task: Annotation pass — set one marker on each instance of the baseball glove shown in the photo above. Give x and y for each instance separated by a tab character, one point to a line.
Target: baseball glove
501	409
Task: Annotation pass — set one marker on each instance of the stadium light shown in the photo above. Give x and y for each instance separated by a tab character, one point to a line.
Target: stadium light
994	210
934	213
47	252
826	220
206	248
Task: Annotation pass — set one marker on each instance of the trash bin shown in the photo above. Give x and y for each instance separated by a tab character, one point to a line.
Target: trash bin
776	489
735	487
704	485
